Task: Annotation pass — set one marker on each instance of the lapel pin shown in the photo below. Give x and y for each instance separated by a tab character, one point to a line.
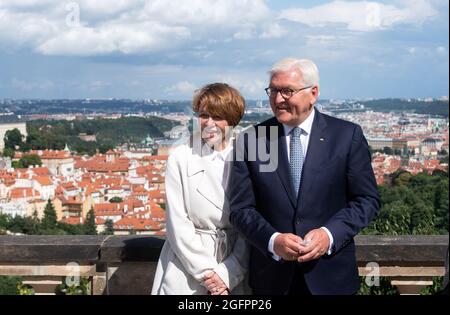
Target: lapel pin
322	139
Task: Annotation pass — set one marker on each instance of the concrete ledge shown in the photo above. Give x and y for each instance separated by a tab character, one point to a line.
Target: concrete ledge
126	264
406	250
131	248
50	248
416	250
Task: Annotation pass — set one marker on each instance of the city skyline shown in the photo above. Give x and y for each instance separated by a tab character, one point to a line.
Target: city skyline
165	50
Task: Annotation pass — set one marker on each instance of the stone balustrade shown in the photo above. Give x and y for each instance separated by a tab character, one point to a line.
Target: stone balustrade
126	264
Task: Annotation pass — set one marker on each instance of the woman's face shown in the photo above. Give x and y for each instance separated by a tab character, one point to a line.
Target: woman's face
213	129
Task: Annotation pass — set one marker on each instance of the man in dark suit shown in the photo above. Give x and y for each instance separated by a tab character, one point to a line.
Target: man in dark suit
300	218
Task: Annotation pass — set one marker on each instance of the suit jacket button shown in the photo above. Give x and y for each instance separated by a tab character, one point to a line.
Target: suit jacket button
297	221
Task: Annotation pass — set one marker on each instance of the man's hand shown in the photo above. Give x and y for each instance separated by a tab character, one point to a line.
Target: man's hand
215	284
315	246
287	246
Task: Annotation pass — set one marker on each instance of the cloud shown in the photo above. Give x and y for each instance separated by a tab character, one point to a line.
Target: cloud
412	50
248	84
183	87
86	27
274	30
25	85
442	51
113	38
362	16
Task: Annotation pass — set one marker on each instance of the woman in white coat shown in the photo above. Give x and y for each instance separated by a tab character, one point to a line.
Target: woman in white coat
203	254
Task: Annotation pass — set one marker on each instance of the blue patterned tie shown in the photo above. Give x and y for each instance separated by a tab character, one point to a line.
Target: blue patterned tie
296	158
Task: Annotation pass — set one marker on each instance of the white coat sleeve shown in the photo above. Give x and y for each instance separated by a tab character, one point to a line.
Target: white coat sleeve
233	268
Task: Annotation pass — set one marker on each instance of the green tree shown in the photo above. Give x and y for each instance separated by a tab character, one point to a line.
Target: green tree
31	226
393	219
109	224
441	206
29	159
24	147
4	219
24	225
385	288
388	151
49	220
402	179
422	218
89	225
13	138
115	199
8	152
82	289
8	285
413	204
71	229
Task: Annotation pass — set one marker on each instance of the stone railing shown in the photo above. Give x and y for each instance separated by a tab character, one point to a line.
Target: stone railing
126	264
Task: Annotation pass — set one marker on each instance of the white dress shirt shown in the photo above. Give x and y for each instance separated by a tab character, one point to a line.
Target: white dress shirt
305	128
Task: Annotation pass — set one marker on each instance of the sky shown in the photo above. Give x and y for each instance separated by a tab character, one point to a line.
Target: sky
166	49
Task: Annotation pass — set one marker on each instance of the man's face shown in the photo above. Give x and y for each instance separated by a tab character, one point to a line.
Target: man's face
296	109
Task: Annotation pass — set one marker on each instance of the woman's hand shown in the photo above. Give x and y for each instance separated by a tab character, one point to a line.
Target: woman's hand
215	284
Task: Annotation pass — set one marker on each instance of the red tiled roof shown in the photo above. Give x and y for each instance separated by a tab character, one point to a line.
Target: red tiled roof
129	223
51	154
156	194
72	220
17	193
155	178
71	200
107	209
158	213
43	180
139	189
41	171
156	157
99	221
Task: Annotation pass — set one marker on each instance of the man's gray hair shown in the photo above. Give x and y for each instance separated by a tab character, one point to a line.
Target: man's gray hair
307	68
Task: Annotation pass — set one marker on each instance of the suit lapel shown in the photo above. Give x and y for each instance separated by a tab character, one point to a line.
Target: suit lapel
316	153
283	162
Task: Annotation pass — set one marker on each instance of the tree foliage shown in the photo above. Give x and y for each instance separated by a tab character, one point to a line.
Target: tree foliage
28	160
413	205
89	225
109	133
49	220
436	107
115	200
13	139
109	230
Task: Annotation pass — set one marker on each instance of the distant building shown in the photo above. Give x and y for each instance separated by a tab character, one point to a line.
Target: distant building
166	146
88	138
14	208
5	163
432	143
431	146
178	132
59	162
381	143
